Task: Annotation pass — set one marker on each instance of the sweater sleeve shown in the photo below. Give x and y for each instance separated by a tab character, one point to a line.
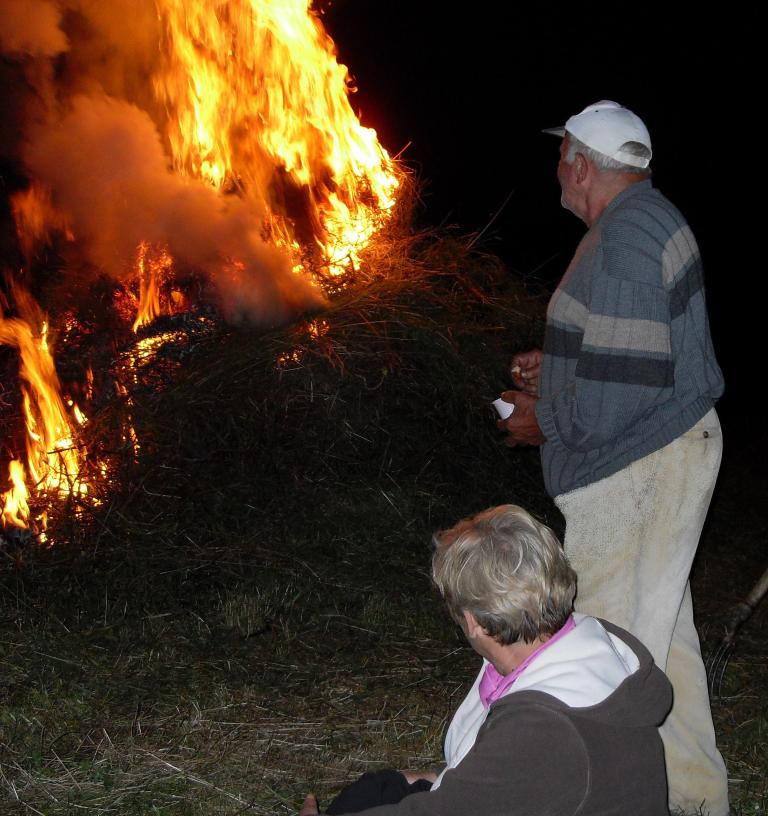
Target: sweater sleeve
527	761
624	365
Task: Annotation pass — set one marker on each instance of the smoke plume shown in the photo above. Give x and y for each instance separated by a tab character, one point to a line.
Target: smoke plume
93	143
105	164
31	28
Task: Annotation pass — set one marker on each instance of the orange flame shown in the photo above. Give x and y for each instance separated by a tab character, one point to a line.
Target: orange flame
258	103
153	265
15	507
53	460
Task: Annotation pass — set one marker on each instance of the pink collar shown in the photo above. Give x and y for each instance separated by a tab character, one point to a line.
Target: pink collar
494	685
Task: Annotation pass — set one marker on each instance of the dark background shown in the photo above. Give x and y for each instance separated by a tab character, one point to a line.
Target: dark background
469	87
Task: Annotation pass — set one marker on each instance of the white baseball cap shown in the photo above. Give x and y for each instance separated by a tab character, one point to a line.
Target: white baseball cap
605	127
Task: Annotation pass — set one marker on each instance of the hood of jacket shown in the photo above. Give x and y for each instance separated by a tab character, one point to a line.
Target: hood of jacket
600	672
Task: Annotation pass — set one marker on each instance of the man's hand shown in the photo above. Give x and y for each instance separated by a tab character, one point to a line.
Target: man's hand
522	427
309	808
525	368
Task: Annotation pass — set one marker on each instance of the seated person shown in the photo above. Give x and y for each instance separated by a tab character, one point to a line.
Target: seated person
563	716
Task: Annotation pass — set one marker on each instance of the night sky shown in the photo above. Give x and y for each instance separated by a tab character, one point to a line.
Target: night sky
471	86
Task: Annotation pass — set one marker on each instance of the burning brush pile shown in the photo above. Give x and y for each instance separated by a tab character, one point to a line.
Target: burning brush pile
237	393
180	164
211	280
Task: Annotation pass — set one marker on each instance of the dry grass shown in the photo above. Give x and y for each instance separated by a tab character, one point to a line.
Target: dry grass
247	615
206	694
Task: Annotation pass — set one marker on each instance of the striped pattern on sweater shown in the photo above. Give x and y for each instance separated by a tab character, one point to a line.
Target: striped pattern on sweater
628	359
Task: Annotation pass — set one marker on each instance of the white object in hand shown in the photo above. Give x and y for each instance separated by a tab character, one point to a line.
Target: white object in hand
503	408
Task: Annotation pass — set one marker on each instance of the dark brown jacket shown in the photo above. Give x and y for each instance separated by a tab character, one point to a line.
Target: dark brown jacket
536	756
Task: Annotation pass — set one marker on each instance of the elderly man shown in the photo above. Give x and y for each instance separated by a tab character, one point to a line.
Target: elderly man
621	401
562	717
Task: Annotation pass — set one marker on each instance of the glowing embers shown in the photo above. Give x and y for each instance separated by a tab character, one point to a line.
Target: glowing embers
152	362
309	332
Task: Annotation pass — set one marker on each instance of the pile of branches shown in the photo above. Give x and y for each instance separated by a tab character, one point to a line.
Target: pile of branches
387	391
384	392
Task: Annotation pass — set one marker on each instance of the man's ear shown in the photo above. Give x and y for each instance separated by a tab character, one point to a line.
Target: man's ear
581	167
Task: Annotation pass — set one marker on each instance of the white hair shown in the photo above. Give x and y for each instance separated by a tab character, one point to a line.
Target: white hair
603	162
508	570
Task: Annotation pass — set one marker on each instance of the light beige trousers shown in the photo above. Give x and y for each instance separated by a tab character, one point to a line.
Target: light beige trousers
631	539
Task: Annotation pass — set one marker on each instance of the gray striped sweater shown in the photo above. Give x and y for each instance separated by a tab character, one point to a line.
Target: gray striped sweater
628	360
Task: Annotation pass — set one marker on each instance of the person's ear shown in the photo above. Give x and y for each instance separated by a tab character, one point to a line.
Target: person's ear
473	628
581	167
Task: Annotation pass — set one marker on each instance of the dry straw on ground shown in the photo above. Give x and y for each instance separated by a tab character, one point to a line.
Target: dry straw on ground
247	615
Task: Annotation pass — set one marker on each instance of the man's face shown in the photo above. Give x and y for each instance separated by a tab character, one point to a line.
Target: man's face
566	175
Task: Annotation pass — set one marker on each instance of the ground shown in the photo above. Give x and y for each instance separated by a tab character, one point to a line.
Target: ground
248	615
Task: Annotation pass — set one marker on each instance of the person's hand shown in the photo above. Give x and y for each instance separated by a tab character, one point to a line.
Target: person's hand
415	776
522	426
309	808
525	368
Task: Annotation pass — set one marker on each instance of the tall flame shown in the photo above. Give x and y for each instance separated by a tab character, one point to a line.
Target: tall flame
53	460
153	266
257	102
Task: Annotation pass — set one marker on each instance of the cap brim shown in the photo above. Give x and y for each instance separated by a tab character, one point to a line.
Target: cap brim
558	131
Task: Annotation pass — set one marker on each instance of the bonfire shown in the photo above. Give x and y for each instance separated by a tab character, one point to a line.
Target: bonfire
234	182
